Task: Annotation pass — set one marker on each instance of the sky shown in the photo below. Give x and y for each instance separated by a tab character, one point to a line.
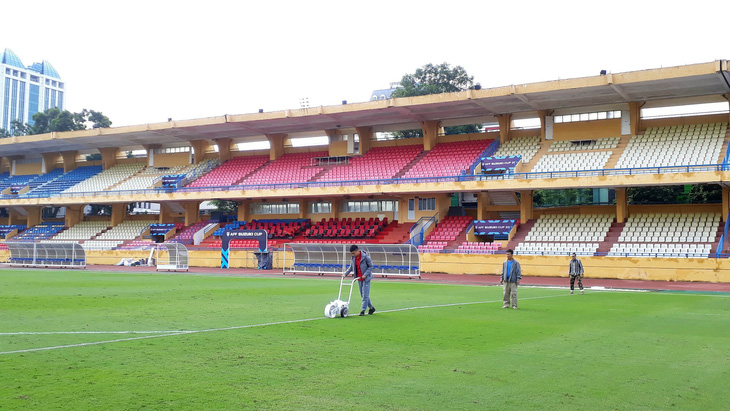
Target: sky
146	61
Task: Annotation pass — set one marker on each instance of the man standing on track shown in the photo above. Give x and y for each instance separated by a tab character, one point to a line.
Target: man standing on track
511	276
362	268
576	271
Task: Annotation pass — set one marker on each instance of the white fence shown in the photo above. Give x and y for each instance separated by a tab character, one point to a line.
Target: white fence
396	260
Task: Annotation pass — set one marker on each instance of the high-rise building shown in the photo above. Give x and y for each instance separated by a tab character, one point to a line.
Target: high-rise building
25	91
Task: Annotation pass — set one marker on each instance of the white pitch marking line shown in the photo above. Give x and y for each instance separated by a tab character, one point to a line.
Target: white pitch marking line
238	327
88	332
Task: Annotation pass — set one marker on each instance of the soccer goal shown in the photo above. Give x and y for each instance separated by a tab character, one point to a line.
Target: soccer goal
172	257
396	260
51	255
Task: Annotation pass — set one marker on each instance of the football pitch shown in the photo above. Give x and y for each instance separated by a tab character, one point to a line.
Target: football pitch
94	340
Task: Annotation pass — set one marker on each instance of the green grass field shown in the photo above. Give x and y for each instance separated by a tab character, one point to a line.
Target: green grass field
602	350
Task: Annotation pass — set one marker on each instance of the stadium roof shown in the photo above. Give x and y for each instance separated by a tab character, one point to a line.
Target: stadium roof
696	83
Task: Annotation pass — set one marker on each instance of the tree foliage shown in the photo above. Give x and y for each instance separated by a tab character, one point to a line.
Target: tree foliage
435	79
225	206
54	119
563	198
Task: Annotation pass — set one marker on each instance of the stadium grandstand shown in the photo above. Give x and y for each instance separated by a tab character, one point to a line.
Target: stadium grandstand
461	199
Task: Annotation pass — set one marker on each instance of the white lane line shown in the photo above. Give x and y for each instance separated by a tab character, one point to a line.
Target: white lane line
239	327
89	332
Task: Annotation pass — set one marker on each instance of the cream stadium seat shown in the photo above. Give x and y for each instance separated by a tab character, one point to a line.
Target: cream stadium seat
526	147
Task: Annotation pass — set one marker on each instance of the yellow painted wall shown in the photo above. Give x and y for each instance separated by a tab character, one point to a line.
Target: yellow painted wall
172	159
581	130
656	269
661	269
397	143
27	169
338	148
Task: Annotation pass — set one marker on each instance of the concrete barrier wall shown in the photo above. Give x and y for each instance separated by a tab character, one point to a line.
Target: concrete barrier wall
659	269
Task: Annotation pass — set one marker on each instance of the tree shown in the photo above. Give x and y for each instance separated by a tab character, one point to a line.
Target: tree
54	119
654	195
93	157
705	194
225	206
435	79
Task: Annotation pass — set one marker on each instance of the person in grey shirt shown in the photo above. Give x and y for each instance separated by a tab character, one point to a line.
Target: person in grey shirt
361	268
511	276
576	271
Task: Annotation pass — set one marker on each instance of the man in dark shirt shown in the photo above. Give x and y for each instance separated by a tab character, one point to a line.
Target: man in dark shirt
362	268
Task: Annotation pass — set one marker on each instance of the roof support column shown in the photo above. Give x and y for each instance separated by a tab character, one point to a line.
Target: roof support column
505	123
366	136
622	207
74	214
482	201
244	210
277	145
199	147
543	116
192	212
49	162
34	216
526	211
224	149
635	116
150	148
333	135
119	212
725	203
69	160
165	214
430	133
108	157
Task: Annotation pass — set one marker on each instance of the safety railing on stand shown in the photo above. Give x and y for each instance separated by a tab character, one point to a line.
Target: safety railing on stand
416	180
418	230
721	245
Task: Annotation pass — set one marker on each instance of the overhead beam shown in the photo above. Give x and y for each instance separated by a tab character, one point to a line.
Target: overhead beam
523	98
617	88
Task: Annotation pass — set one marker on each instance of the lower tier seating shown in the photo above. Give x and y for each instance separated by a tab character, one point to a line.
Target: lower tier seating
661	250
83	230
346	228
557	248
478	248
41	231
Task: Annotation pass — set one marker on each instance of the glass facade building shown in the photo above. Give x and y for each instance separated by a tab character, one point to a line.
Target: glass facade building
26	90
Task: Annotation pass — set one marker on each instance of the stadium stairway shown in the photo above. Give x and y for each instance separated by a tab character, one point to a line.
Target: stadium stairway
394	233
410	165
716	243
724	146
522	230
617	152
544	147
614	232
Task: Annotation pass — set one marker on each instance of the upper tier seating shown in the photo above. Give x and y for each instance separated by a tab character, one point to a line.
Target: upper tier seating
598	144
45	178
107	178
17	181
127	230
173	180
694	144
572	161
566	233
526	147
137	183
670	234
230	172
289	168
346	228
448	159
83	230
65	181
378	163
41	231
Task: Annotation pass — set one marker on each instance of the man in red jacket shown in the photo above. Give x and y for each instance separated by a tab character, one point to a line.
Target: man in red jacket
361	267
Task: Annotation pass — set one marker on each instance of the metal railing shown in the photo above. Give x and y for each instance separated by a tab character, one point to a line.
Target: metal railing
417	239
414	180
491	149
